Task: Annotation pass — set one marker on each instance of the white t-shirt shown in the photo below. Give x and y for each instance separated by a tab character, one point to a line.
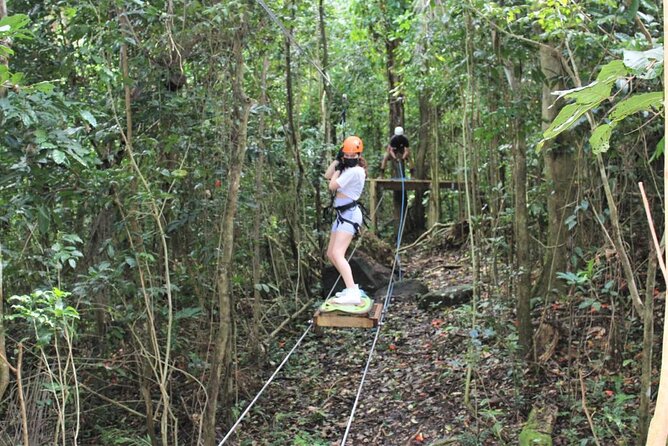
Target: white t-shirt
351	182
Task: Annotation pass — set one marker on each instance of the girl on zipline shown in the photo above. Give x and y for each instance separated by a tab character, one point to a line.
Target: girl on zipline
346	175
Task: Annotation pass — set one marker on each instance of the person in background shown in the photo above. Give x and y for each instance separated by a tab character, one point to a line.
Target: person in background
397	150
346	176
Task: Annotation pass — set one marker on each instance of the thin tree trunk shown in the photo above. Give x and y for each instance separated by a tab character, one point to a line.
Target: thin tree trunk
434	213
222	341
647	344
293	216
4	367
395	101
559	166
326	91
327	130
522	258
257	222
396	118
472	152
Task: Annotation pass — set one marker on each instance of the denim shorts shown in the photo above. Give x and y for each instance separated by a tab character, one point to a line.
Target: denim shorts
352	214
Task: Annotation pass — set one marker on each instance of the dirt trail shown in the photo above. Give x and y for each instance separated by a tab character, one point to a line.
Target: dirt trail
413	394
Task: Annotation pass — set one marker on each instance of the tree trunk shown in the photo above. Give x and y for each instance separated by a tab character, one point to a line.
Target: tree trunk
327	131
394	99
647	347
522	260
559	169
4	366
396	108
222	341
434	213
257	223
293	215
472	152
326	91
420	157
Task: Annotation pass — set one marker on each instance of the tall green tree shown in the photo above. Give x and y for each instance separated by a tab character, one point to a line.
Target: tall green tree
237	144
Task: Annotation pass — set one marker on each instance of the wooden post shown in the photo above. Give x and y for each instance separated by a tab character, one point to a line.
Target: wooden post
373	195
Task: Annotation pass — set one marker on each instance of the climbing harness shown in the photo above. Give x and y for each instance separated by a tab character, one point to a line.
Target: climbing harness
353	204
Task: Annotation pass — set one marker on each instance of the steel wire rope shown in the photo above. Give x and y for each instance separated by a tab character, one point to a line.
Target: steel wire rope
271	378
292	40
386	304
285	360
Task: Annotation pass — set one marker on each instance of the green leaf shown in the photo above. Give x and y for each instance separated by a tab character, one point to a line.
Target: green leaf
17	78
600	138
188	313
11	24
43	220
659	150
72	238
88	117
40	136
594	93
566	118
58	157
612	71
636	103
179	173
43	87
633	10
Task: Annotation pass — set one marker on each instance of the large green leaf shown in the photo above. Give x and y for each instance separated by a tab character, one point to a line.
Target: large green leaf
636	103
12	23
58	157
594	93
88	116
612	71
566	118
600	138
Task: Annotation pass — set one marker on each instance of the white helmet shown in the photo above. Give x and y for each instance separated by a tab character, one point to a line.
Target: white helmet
398	131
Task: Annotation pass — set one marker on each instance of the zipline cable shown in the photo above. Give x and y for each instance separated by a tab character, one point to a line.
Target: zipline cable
386	304
292	40
285	360
271	378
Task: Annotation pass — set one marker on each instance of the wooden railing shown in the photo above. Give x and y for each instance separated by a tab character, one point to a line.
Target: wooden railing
377	185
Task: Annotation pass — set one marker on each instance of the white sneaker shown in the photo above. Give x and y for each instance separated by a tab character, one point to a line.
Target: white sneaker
349	296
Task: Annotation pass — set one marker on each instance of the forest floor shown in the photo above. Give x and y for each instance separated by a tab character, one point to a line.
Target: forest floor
415	392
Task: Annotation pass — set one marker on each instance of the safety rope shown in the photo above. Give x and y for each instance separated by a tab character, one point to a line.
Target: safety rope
386	304
271	378
292	40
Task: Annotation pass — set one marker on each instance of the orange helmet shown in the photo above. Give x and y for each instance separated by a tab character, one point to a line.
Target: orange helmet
352	144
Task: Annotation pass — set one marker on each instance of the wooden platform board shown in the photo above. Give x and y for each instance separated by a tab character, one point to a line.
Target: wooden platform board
346	320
